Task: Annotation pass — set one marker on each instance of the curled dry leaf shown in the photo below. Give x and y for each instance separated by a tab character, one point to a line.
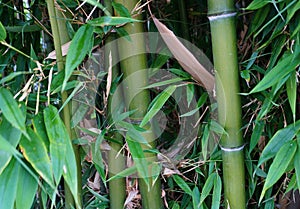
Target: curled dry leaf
64	48
185	58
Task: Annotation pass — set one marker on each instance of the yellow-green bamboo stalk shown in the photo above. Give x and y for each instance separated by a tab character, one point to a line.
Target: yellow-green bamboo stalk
116	161
60	36
223	32
151	197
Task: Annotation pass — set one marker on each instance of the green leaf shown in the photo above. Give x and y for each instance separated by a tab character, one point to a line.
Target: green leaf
216	198
12	136
182	184
139	159
163	83
36	154
58	137
257	4
11	76
196	197
2	32
12	111
291	88
80	46
283	68
157	105
26	191
256	134
8	185
279	165
292	10
276	142
121	10
111	21
207	187
296	161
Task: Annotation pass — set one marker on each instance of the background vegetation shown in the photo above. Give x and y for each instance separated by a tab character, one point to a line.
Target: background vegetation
66	141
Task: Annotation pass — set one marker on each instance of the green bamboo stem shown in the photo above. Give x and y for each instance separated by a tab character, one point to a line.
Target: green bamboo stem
223	33
116	161
151	197
60	36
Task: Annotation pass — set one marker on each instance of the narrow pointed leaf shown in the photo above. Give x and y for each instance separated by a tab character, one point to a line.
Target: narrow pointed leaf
2	32
291	88
13	136
283	68
196	197
207	187
216	198
58	137
160	101
12	111
26	191
81	44
297	162
112	21
36	154
276	142
182	184
8	185
279	165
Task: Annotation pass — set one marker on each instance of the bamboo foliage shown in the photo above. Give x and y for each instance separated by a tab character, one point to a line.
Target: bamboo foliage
223	33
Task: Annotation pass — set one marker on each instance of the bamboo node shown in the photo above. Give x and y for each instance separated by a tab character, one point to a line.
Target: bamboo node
221	16
232	149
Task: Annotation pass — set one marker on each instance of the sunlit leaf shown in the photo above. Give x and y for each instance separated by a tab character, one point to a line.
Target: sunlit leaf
160	101
12	111
279	165
182	184
257	4
8	185
26	190
81	44
36	154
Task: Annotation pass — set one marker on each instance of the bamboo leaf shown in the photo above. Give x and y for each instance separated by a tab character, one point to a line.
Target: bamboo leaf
182	184
196	197
139	159
185	57
279	165
256	134
36	154
276	142
257	4
11	76
296	162
58	137
81	44
160	101
163	83
216	198
291	88
2	32
26	191
283	68
207	187
111	21
8	185
12	111
12	136
120	9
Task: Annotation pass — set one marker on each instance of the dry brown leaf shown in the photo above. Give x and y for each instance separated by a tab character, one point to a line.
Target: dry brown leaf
64	48
185	58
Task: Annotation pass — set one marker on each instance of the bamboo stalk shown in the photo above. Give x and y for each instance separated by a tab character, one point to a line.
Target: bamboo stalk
223	32
183	20
151	197
116	161
60	36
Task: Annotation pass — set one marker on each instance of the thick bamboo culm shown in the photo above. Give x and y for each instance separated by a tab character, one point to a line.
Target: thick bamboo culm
223	32
151	197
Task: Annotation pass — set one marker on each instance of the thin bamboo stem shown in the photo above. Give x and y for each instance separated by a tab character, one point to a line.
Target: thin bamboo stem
116	161
223	33
59	37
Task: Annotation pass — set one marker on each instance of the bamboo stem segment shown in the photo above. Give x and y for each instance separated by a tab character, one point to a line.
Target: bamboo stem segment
223	32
